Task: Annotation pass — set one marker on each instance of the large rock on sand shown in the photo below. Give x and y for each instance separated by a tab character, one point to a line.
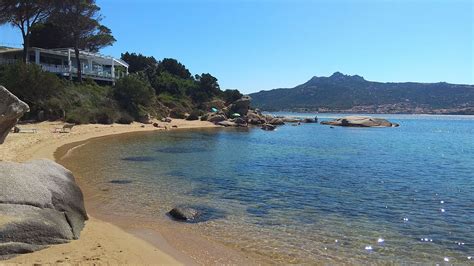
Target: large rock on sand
11	109
360	121
216	118
40	205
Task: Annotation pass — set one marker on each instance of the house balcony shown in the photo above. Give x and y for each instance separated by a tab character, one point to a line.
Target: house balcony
60	62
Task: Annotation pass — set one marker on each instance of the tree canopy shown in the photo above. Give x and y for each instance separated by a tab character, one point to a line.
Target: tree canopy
25	14
173	67
81	20
138	62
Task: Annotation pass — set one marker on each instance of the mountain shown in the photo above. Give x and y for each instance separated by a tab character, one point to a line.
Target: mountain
346	93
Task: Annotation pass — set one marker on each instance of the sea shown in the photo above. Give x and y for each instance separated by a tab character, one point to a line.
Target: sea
301	194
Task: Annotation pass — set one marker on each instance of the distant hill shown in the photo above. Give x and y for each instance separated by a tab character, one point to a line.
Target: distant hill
345	93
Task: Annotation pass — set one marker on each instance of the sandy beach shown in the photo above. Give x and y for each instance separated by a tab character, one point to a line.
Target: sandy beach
100	242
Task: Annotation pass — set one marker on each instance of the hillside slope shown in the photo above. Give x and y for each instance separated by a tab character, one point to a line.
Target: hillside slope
344	93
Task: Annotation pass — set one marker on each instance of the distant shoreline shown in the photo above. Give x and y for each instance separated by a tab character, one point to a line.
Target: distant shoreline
364	112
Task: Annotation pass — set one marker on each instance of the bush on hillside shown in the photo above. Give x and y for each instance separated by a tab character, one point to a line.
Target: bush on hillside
125	118
134	94
39	89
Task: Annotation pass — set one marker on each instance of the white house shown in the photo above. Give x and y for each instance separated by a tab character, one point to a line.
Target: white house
62	61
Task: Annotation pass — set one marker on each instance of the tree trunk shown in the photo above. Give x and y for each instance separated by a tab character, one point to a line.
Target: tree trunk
26	45
79	65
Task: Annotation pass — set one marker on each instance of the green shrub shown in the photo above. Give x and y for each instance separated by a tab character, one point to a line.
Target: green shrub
31	85
231	96
134	94
125	118
178	113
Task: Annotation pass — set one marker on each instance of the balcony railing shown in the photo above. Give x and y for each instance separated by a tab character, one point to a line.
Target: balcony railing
64	70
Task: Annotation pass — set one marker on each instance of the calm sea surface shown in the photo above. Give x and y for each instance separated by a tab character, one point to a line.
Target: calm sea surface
305	193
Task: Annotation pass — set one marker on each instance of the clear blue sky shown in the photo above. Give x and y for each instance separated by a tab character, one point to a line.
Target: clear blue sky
255	45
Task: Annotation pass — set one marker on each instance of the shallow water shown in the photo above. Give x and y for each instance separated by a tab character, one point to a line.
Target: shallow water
304	193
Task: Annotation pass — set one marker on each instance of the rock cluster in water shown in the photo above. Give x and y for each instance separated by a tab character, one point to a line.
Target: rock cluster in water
239	114
360	121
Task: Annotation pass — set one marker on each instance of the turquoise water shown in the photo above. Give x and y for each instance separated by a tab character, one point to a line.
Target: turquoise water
306	193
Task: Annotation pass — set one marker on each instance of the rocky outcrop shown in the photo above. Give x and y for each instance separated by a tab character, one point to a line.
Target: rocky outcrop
268	127
227	123
145	119
287	119
255	118
11	109
40	205
216	118
310	120
219	104
360	121
241	106
276	121
240	121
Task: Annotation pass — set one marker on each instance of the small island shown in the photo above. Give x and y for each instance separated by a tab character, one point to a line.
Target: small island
360	121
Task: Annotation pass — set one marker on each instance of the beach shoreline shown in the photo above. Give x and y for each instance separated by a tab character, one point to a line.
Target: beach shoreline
100	241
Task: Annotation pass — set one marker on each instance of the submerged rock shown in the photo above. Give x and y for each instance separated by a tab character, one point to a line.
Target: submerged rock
185	214
40	205
195	213
11	109
360	121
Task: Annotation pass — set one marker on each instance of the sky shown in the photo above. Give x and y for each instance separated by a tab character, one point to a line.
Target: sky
254	45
